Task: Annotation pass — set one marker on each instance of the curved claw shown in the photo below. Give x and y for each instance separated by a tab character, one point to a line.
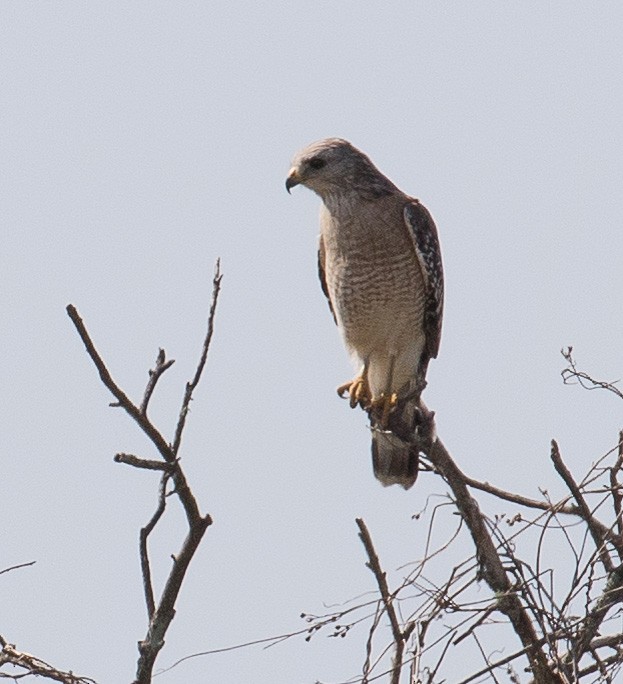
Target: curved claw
383	406
358	392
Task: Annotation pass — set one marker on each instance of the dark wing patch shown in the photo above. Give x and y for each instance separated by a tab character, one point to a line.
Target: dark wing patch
426	242
323	277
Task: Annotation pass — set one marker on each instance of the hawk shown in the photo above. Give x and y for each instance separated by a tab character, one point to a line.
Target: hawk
380	267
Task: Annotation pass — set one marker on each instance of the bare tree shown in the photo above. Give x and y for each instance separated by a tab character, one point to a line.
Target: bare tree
173	483
564	617
564	613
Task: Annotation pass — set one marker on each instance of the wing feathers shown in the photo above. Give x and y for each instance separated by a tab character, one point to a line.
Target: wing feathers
426	242
322	275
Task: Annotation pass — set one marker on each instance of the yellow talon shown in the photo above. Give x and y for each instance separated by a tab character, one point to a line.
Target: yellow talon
358	392
384	405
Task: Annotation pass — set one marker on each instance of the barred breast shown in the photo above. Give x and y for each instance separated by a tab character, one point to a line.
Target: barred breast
377	291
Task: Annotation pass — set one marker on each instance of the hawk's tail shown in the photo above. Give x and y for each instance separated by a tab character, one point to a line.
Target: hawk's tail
396	450
394	461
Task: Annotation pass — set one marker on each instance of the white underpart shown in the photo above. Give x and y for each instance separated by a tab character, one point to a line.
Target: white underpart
377	291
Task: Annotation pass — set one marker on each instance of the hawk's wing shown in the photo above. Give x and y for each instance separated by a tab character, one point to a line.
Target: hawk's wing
424	235
322	275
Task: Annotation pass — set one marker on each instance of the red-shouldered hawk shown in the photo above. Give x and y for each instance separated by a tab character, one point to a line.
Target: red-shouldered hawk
380	268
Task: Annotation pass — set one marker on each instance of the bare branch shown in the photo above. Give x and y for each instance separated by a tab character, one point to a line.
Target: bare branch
374	564
160	612
138	462
615	489
491	568
560	507
122	399
31	665
586	381
165	612
154	375
181	486
598	538
190	386
16	567
144	555
367	665
613	594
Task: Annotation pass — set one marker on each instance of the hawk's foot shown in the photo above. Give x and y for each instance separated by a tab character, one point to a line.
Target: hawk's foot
358	392
382	406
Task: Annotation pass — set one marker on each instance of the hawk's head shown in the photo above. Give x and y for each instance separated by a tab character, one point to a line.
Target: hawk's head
334	165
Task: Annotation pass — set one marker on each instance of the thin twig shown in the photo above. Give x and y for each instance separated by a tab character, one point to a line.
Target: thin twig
585	380
612	594
138	462
181	486
16	567
491	568
559	507
381	580
122	399
485	657
165	611
567	478
190	386
442	655
154	375
615	491
367	666
143	551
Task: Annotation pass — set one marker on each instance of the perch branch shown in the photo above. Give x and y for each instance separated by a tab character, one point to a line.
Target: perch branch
491	567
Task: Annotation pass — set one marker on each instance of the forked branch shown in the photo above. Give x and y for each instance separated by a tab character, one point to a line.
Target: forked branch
160	612
490	564
400	636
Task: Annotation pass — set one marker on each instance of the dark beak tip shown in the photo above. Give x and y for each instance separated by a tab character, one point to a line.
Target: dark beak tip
291	182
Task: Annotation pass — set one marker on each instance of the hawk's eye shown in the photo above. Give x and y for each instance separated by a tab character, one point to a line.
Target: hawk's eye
317	163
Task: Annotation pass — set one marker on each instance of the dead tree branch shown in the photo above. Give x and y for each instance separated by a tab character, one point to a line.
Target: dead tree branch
161	612
571	374
491	568
400	636
555	635
17	567
29	665
567	478
615	488
191	386
612	594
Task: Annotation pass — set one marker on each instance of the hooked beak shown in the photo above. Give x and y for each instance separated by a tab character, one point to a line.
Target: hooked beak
292	180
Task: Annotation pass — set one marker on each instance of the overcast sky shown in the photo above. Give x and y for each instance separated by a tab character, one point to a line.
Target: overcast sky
139	142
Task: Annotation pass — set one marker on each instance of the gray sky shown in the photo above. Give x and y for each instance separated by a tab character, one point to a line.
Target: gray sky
139	142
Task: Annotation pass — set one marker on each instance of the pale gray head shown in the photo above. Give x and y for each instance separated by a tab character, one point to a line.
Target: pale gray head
333	166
